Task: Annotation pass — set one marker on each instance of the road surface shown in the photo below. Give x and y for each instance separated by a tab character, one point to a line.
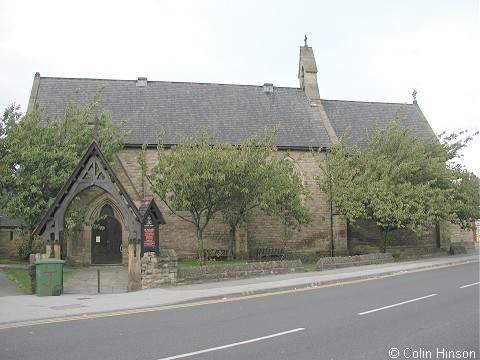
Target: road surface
430	314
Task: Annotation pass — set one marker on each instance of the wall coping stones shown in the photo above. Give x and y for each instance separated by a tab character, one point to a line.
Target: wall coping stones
201	274
328	263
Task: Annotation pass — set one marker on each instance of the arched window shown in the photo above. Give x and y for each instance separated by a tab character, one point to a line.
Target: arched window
106	210
294	169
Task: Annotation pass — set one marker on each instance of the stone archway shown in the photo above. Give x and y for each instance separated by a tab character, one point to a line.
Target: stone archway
94	180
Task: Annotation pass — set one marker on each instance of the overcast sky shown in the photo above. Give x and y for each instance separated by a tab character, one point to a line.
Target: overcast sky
366	50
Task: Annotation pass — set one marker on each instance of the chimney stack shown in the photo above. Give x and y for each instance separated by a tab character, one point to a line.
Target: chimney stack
268	88
142	82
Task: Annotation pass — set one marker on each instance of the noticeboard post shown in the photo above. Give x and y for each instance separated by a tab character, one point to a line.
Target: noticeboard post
150	234
150	220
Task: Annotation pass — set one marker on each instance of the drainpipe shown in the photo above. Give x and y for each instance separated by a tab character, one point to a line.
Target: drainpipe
332	248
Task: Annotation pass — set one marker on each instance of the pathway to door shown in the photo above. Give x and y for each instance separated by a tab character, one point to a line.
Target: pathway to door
113	279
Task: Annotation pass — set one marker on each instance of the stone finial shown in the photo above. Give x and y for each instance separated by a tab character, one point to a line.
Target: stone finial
305	40
414	94
95	127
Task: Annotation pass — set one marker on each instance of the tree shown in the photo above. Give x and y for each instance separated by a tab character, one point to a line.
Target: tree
245	193
200	178
466	203
398	181
466	185
325	182
39	153
262	178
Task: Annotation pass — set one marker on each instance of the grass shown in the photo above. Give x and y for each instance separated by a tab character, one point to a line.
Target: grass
22	278
310	267
13	262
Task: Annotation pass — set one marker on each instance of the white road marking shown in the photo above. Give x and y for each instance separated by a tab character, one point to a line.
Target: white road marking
397	304
232	345
465	286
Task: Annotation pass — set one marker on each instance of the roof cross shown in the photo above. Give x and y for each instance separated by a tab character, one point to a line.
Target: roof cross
305	40
95	127
414	94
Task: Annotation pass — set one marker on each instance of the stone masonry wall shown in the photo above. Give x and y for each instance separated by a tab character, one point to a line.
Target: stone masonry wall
162	270
365	237
265	232
201	274
159	270
7	237
357	260
262	231
453	234
176	234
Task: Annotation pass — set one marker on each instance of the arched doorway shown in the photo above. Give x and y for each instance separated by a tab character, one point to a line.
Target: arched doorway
107	239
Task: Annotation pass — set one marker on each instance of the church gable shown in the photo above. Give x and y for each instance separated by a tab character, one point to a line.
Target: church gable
93	170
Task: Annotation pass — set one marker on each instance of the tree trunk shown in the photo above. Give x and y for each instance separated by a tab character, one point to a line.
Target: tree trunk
386	235
231	243
202	254
31	238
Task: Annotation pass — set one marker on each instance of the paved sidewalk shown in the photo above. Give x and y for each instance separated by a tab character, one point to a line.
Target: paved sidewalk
31	307
7	286
87	281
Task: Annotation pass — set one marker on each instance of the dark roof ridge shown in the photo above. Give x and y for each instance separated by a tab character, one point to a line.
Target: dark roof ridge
165	82
369	102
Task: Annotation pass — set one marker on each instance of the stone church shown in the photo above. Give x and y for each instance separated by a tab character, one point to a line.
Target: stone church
131	215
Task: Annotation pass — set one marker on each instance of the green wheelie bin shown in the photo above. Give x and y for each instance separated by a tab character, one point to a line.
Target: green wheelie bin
49	277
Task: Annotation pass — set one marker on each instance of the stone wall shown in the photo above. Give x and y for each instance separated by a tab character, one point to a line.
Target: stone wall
262	231
163	270
357	260
201	274
409	252
265	232
159	270
365	237
7	236
456	236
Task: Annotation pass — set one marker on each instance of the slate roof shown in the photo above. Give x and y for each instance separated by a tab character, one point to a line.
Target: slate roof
232	112
352	120
8	223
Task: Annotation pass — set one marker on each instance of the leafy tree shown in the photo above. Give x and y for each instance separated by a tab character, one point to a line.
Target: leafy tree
466	203
325	181
39	153
466	185
200	178
399	181
261	178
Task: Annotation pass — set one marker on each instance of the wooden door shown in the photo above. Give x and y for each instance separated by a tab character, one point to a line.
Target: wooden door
107	239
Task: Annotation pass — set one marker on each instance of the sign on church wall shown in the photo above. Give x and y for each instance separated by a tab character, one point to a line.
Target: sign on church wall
150	234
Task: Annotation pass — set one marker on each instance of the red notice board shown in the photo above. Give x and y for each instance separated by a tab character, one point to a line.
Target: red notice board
149	238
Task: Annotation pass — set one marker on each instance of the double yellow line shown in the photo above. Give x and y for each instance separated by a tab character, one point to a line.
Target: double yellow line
245	296
142	310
